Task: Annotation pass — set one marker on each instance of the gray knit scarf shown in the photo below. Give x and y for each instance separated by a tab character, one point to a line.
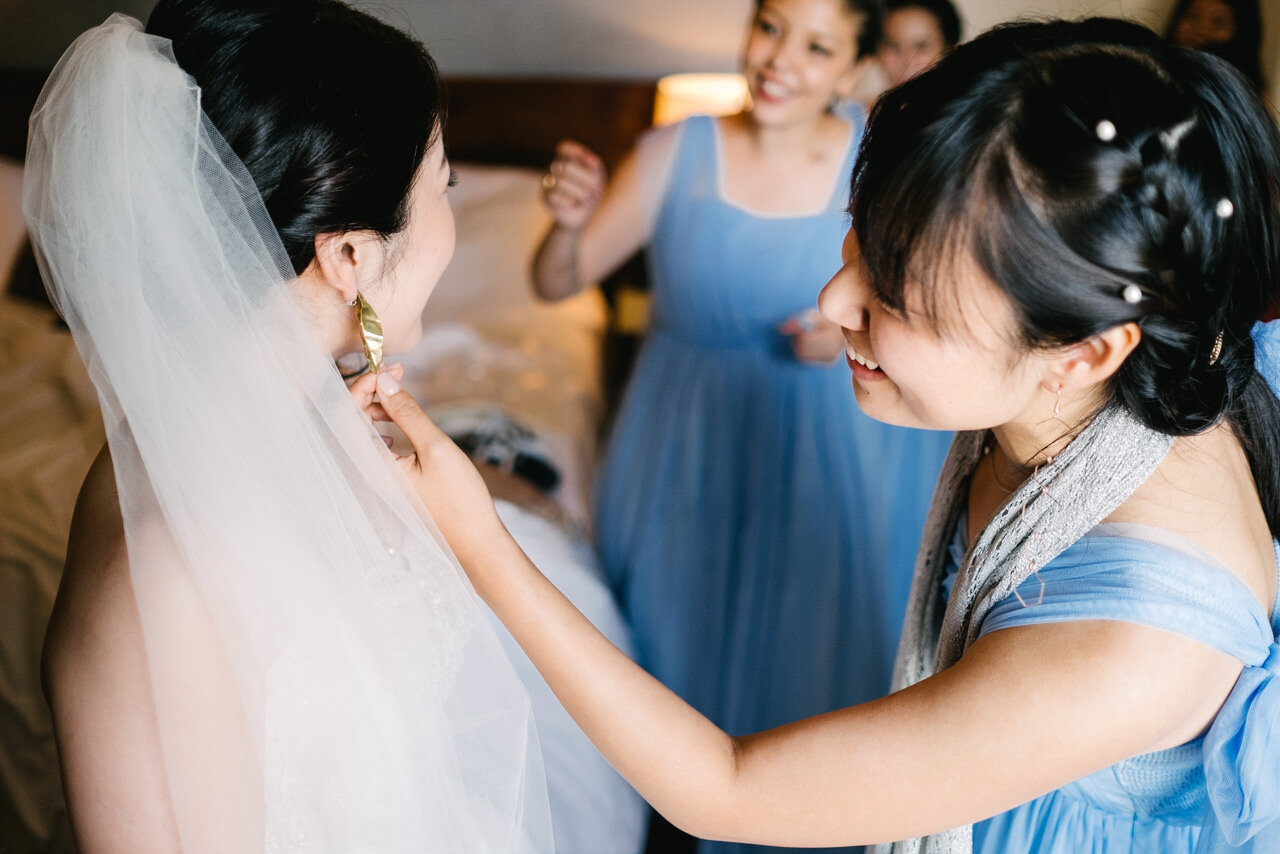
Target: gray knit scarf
1094	474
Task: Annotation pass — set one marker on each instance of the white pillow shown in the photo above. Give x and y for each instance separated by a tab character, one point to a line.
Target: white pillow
500	219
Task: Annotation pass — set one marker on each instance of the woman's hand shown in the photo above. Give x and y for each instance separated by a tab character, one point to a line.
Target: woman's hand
364	389
442	475
814	339
573	185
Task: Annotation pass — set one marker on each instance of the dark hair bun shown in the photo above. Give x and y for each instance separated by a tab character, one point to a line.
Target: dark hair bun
1075	161
329	109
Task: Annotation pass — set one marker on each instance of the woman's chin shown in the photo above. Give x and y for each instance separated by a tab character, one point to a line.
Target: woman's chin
403	342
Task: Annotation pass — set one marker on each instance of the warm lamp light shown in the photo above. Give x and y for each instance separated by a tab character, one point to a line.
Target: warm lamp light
681	95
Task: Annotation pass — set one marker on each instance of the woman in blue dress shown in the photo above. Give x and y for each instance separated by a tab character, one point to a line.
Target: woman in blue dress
1085	232
758	529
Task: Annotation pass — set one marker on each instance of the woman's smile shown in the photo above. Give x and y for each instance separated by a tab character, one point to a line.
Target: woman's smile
863	367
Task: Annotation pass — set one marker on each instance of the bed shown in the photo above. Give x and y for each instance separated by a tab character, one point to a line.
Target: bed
487	344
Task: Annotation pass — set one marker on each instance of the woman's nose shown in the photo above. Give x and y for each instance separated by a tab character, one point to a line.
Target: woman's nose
784	53
843	300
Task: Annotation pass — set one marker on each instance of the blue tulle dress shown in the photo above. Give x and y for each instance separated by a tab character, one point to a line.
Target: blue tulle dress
759	530
1215	794
1159	802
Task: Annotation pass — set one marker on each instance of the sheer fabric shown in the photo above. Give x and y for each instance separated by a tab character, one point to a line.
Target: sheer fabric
324	677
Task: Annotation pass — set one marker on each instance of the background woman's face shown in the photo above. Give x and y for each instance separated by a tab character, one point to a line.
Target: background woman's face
912	42
798	56
1205	23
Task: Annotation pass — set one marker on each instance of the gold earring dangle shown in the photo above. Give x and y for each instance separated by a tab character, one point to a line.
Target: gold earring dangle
370	332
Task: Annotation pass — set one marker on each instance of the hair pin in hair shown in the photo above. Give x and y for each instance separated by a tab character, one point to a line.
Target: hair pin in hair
1224	209
1173	136
1105	130
1132	294
1217	349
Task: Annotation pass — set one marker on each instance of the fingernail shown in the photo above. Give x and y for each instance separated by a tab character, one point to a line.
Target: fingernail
387	384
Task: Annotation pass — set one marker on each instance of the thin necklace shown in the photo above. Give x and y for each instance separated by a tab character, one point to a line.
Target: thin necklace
995	474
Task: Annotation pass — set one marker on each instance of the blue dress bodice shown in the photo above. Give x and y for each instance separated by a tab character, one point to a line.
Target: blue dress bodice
1214	793
726	276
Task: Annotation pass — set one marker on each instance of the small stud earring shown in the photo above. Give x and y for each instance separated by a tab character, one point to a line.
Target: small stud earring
1105	130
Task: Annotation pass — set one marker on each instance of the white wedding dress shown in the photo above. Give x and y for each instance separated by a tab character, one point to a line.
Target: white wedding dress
379	712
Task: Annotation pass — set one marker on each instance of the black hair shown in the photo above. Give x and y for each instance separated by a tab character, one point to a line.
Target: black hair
871	13
331	110
1243	48
942	11
1074	162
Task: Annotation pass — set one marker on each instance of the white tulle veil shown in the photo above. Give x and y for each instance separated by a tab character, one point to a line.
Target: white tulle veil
359	700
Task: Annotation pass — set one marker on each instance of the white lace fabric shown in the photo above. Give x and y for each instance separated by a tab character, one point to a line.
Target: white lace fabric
323	676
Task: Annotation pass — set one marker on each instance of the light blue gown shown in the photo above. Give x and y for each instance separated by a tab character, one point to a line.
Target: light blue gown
759	530
1216	794
1172	801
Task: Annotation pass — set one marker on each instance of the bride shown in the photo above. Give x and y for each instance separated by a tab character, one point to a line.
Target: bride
259	642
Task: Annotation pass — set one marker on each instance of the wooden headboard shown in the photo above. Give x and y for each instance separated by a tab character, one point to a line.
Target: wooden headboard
490	120
520	120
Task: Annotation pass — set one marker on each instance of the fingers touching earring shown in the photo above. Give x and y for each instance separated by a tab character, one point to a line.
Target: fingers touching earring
370	332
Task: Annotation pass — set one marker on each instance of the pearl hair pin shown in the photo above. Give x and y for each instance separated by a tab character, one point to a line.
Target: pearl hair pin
1132	294
1105	130
1224	209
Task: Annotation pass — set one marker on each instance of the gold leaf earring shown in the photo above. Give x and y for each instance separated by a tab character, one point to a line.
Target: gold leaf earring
370	332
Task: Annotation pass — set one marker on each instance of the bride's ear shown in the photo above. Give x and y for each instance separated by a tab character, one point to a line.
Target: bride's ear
345	261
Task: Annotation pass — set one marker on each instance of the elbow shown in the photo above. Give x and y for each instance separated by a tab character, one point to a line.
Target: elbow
712	807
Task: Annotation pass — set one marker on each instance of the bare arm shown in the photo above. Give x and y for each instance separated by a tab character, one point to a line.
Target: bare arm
132	782
99	688
1026	710
99	680
597	227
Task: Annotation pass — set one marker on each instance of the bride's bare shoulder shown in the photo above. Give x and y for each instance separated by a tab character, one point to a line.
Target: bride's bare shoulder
98	684
95	592
96	546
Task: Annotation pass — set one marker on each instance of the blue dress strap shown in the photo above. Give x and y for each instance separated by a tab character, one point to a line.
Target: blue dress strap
1110	577
1242	748
696	172
1266	341
1242	758
1137	580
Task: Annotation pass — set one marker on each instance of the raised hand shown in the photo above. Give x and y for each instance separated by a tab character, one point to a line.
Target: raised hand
364	392
814	339
573	185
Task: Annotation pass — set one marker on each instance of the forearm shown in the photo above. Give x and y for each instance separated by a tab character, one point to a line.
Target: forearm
676	759
557	271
